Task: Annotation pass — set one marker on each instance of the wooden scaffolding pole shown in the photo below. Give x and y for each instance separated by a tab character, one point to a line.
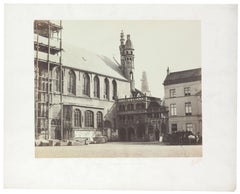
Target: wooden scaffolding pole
48	83
61	81
36	84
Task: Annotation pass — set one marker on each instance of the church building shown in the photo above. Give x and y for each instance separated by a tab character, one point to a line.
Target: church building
76	91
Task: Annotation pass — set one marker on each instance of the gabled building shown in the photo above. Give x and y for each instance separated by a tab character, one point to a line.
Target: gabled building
183	98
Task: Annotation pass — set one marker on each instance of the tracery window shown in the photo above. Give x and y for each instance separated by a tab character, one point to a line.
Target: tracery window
86	84
99	119
77	118
71	82
96	87
106	89
89	119
114	84
57	80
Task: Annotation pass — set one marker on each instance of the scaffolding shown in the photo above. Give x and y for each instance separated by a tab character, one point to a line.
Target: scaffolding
48	54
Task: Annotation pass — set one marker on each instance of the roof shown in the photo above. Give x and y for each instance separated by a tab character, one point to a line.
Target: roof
79	58
183	76
136	92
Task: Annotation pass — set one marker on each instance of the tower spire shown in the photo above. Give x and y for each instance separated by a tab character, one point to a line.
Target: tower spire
127	59
145	88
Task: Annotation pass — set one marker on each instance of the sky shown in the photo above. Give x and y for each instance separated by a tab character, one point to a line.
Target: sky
158	44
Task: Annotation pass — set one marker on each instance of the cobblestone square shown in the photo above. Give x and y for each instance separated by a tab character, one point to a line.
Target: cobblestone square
119	149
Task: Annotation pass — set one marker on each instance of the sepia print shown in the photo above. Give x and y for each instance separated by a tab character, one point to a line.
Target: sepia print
117	88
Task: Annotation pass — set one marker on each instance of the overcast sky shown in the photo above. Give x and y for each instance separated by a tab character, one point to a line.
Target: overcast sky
157	44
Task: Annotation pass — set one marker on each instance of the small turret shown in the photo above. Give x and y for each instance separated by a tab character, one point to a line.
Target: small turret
129	44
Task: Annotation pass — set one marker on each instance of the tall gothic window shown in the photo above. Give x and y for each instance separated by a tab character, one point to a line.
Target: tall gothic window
86	84
77	118
71	83
114	83
96	87
89	119
99	119
106	88
57	80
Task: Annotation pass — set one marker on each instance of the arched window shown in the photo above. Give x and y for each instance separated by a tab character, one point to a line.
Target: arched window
57	80
86	84
121	108
67	115
71	82
129	107
96	87
132	106
106	88
139	106
99	119
43	86
77	118
131	75
89	119
114	84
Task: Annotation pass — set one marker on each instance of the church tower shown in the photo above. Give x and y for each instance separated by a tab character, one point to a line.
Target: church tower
127	59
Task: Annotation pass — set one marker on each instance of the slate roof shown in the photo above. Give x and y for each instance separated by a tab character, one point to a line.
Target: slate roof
183	76
79	58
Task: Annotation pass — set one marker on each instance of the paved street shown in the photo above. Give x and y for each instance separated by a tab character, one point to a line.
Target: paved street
119	149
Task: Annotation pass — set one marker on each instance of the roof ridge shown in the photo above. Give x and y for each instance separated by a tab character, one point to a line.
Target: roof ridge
185	70
183	76
87	60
